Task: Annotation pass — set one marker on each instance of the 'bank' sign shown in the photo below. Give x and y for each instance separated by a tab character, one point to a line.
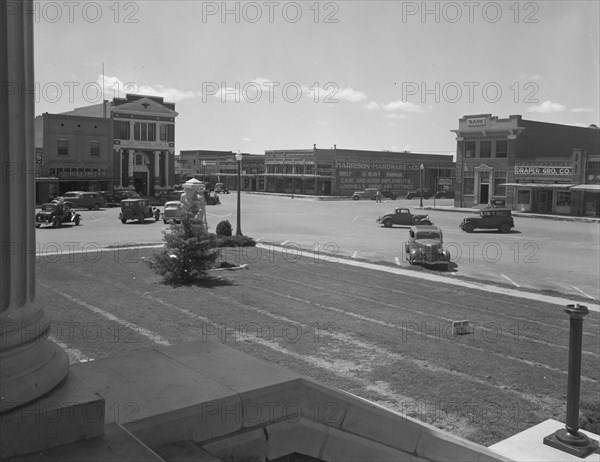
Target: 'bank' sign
542	170
476	122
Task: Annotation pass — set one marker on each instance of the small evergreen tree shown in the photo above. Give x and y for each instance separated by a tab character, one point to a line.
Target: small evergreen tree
224	228
189	251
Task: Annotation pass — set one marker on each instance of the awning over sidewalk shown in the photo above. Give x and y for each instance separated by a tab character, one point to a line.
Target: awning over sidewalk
586	187
541	185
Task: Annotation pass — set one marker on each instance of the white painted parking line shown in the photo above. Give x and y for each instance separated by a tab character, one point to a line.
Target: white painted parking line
92	221
397	260
354	254
355	218
284	242
218	216
259	239
587	295
509	280
75	355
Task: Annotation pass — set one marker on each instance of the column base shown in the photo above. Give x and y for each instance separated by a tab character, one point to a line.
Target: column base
578	445
29	371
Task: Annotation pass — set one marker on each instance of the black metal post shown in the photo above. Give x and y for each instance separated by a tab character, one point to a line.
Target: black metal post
569	439
421	185
238	231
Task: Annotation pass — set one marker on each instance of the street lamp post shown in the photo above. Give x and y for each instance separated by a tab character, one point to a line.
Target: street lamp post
421	168
238	158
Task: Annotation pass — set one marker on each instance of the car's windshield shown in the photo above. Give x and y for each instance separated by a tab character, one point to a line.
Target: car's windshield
70	195
428	235
172	206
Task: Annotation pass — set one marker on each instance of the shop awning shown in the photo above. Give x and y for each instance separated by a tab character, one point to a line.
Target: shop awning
587	187
540	185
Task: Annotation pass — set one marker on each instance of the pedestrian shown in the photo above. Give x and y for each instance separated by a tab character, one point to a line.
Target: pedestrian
378	196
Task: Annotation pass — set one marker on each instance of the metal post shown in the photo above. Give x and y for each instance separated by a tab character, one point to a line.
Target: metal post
238	231
421	167
569	439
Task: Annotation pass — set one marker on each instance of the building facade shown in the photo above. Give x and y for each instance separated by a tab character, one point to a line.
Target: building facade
127	143
529	166
72	153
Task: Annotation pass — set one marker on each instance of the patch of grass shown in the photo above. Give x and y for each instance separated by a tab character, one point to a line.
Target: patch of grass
589	417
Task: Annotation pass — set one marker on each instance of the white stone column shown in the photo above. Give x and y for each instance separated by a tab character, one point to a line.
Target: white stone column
130	168
30	365
156	168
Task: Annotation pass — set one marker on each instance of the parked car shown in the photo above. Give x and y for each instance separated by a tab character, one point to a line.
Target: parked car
445	194
211	198
83	200
56	214
171	212
421	192
221	188
425	246
168	195
137	209
371	193
403	217
121	194
489	218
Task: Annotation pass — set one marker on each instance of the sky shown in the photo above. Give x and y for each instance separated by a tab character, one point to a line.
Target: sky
374	75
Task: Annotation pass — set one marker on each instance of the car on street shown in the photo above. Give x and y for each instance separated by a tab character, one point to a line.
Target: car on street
421	192
426	246
371	193
83	200
489	218
221	188
56	214
171	212
445	194
211	198
404	217
137	209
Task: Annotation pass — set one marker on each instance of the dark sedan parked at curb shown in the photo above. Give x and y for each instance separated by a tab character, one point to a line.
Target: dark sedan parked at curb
422	192
403	217
425	246
56	214
490	218
83	200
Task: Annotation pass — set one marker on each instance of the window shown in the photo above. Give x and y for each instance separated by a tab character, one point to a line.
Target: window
523	196
470	147
143	131
469	183
501	148
62	147
167	132
498	180
139	160
563	198
122	129
94	148
485	149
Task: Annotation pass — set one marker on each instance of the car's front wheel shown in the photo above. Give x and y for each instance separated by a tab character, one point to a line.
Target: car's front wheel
96	206
469	227
409	197
355	198
123	220
56	222
388	222
77	220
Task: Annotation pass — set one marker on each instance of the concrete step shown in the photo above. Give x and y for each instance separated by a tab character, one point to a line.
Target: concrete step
185	451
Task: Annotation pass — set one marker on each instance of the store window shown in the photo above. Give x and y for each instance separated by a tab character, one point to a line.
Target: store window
121	129
167	132
470	148
62	147
523	196
501	148
469	183
94	148
143	131
498	180
563	198
485	149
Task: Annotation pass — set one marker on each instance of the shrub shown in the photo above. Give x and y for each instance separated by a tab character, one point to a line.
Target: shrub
189	251
223	228
235	241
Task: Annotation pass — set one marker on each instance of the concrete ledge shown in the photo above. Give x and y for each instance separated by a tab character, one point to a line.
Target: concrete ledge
72	412
115	445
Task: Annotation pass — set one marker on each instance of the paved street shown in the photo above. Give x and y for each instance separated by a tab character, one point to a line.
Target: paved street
558	257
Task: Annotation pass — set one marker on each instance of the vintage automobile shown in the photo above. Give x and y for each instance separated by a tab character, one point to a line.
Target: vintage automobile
425	246
421	192
489	218
403	217
56	214
221	188
171	212
119	194
211	198
445	194
83	200
137	209
371	193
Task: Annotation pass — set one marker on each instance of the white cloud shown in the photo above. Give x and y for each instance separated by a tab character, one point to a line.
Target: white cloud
395	116
115	87
372	106
583	109
547	107
402	106
349	94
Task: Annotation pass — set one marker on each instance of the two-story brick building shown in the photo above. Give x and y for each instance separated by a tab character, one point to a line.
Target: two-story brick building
532	166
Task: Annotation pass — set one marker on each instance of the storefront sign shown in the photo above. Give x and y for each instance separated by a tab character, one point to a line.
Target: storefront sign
476	122
544	170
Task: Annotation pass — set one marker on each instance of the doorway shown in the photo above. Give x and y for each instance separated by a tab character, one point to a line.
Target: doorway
484	193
